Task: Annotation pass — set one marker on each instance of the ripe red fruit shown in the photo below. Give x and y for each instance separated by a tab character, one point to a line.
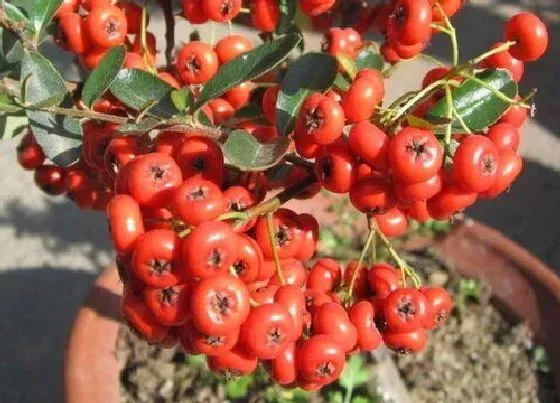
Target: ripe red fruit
405	343
236	362
510	166
125	222
283	367
315	7
331	319
320	359
210	345
415	155
339	40
159	218
231	46
286	232
239	96
222	110
452	199
406	52
383	280
201	157
361	287
362	316
141	319
265	15
262	293
30	156
133	13
156	258
269	103
419	211
475	164
434	75
67	6
169	142
89	5
409	23
370	143
249	258
306	146
197	63
292	297
449	7
392	223
404	310
219	304
372	195
310	236
169	305
267	331
530	35
221	10
504	60
197	201
440	305
321	118
294	273
238	198
194	11
336	168
72	33
515	115
153	180
324	276
119	152
389	53
504	135
360	100
91	59
210	249
50	179
419	191
106	26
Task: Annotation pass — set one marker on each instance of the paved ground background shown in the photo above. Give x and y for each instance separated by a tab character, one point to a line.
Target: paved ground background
50	251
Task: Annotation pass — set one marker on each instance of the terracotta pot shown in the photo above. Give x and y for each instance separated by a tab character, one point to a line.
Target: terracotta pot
521	284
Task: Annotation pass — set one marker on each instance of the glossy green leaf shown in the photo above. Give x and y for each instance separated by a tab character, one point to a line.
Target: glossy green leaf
341	82
244	151
59	136
39	14
250	112
44	85
138	88
369	58
182	99
477	105
12	125
248	66
312	72
103	75
287	10
347	65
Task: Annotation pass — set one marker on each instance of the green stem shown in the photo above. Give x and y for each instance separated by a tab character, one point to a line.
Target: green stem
494	91
78	113
361	262
497	49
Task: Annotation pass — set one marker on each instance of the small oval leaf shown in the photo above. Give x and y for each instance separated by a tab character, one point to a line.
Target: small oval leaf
243	151
369	58
312	72
39	14
103	75
347	65
182	98
248	66
44	84
475	104
138	88
287	10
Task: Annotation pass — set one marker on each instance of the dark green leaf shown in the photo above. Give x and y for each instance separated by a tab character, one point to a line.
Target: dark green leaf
312	72
239	387
39	13
251	111
103	75
12	49
243	151
369	58
45	86
341	82
354	374
287	10
477	105
182	99
137	88
60	136
248	66
12	125
202	117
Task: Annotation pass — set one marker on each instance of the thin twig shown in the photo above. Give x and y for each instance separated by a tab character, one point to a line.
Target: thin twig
169	31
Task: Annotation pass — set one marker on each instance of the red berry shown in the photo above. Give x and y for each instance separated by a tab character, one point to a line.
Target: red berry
286	232
320	359
405	343
234	362
504	60
194	11
221	10
383	280
440	305
362	316
320	118
392	223
452	199
419	191
283	368
231	46
169	305
265	15
106	26
247	266
336	168
141	319
332	320
197	63
530	35
370	143
404	310
475	164
409	23
30	156
504	135
269	103
125	222
360	100
201	157
510	166
372	195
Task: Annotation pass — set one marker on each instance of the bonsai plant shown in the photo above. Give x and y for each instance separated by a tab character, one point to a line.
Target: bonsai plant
184	159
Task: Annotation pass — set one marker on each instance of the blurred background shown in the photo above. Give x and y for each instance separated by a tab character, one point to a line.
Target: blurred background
50	251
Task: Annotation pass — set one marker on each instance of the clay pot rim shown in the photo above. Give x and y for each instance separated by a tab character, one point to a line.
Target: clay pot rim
99	312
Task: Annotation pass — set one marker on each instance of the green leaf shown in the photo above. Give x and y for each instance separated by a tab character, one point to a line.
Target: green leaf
39	14
60	136
477	105
341	82
312	72
182	99
248	66
12	125
347	65
245	152
239	387
355	374
202	117
138	88
361	399
335	396
369	58
12	48
251	111
7	102
103	75
287	10
44	85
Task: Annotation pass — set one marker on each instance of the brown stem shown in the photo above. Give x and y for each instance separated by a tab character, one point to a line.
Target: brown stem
297	160
17	28
169	30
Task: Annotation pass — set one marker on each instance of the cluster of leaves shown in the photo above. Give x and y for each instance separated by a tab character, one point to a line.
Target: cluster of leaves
356	385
